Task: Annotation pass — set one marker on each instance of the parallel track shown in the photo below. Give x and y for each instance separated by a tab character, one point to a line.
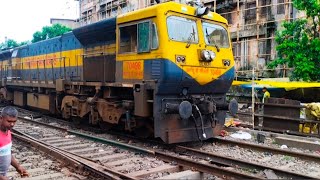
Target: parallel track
263	148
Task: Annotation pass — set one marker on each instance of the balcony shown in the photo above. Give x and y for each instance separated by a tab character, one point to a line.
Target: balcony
224	5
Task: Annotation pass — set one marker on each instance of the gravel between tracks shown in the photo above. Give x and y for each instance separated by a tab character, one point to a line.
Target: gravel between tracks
38	165
283	162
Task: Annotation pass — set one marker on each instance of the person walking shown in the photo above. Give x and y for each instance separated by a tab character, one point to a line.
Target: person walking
7	121
266	94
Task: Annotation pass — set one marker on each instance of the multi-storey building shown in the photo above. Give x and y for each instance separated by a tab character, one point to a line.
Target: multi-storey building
96	10
253	25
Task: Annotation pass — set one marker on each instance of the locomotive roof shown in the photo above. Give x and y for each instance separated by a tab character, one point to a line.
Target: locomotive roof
5	54
102	31
162	8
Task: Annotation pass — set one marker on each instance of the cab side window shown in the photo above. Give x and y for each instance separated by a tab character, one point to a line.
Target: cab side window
144	37
128	39
154	36
138	38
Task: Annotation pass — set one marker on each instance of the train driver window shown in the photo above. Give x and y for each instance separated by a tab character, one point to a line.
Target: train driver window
144	37
139	38
154	35
128	39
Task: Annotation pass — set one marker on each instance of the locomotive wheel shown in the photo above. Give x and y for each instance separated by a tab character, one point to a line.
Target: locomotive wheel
105	126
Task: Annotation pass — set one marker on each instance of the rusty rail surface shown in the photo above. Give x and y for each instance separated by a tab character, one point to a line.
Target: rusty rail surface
231	162
202	167
78	163
262	148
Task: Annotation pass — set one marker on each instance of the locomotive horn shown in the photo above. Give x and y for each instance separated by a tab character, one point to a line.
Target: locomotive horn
201	11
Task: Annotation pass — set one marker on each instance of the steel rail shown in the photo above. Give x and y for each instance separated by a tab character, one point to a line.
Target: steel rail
227	161
262	148
207	168
48	150
77	163
204	167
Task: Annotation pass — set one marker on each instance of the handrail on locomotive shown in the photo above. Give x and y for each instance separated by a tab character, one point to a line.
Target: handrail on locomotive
42	62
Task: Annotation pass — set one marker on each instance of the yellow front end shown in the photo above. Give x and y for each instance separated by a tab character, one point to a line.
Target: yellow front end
189	67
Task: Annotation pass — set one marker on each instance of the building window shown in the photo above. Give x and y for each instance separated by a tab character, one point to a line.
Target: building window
280	7
262	48
263	8
251	10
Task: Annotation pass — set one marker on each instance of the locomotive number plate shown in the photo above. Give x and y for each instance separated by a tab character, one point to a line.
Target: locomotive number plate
133	69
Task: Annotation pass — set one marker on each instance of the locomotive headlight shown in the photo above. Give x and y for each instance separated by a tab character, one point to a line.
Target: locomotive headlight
205	55
212	55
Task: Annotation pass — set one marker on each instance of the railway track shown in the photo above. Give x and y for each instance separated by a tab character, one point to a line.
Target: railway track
132	163
263	148
193	159
39	165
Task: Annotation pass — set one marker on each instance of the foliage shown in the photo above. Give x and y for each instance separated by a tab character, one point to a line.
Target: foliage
299	43
50	32
10	43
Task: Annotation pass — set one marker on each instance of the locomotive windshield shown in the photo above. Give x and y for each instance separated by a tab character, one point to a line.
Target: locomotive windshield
182	29
215	35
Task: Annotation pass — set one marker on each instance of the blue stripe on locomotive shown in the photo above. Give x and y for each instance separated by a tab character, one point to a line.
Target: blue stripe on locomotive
65	42
5	55
172	79
71	73
99	33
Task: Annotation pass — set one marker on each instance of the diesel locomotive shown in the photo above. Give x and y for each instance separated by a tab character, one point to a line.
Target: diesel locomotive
162	71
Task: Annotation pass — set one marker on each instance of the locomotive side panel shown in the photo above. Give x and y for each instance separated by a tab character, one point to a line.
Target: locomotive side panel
98	41
99	68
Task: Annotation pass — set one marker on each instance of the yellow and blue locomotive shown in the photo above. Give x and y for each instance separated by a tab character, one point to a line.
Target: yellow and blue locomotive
162	71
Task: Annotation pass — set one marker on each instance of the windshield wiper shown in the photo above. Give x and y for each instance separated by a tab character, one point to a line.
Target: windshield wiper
192	35
214	43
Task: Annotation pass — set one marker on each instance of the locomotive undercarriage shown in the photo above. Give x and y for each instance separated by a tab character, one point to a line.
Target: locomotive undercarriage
190	118
137	108
107	107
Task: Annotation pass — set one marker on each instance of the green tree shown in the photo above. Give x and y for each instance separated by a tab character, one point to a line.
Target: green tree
50	32
10	43
24	43
299	43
